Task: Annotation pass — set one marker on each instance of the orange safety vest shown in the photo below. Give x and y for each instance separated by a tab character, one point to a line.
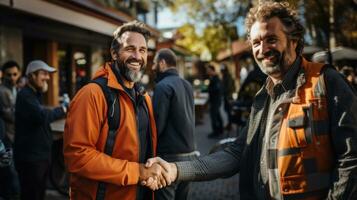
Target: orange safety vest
305	156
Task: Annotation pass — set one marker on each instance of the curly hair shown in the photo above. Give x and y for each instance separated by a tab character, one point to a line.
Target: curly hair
288	16
133	26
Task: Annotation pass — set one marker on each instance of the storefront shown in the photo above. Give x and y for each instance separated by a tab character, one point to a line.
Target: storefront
72	36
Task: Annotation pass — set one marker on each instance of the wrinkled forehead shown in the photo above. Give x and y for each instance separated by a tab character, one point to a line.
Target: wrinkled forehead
129	38
263	28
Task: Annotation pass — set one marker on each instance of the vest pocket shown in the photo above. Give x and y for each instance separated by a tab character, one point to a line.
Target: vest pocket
297	134
293	184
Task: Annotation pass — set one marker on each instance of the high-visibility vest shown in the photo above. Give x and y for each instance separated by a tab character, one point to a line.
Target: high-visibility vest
304	152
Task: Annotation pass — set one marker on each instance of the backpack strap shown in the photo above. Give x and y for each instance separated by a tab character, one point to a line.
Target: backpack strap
113	115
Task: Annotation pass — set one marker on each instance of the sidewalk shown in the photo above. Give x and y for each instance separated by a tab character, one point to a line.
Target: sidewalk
220	189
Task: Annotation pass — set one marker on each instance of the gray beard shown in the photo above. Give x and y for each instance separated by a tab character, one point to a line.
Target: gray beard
44	88
130	75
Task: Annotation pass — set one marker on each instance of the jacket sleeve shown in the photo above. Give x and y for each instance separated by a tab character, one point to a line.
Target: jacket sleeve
34	112
342	107
161	104
220	164
82	132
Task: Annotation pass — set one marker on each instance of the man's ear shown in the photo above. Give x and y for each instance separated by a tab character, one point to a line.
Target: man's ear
162	62
114	54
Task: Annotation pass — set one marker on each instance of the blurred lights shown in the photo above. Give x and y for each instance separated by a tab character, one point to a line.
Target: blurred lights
81	61
145	79
168	35
206	82
196	82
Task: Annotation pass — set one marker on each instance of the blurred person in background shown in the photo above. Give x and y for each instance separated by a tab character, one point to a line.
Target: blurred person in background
174	112
229	88
21	83
8	92
215	101
350	75
33	141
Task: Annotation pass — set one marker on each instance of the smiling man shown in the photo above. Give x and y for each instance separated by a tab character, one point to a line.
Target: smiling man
105	161
33	137
301	138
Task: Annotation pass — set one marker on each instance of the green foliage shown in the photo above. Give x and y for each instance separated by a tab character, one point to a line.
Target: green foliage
218	16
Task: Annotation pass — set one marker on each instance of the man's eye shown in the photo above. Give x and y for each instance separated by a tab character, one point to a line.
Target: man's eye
272	40
255	44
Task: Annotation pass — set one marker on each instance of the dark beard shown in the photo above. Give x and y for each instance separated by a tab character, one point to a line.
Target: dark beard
274	68
128	74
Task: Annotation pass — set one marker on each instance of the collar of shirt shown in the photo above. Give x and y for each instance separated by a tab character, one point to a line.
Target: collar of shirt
288	82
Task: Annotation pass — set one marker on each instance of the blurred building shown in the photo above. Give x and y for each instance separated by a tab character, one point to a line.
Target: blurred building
73	36
237	58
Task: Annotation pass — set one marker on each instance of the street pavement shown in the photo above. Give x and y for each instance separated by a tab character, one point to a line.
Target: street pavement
219	189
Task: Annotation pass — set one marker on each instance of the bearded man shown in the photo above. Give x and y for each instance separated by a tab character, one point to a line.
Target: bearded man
301	137
95	173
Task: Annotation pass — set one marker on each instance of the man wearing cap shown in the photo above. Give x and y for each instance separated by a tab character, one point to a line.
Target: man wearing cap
33	139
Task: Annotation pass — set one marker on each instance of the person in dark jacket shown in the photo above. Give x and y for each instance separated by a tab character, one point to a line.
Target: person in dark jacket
32	147
228	90
175	119
8	92
215	101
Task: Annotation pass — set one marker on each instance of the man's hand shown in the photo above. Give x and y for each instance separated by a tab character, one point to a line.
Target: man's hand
153	176
169	171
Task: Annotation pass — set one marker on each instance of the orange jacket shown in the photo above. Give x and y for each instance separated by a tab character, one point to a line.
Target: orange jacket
305	157
85	136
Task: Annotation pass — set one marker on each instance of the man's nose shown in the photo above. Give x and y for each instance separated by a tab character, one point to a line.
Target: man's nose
136	55
264	47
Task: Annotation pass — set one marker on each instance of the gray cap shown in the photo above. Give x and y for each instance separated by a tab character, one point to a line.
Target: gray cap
38	65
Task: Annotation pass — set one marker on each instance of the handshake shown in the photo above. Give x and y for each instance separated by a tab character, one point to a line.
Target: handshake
157	173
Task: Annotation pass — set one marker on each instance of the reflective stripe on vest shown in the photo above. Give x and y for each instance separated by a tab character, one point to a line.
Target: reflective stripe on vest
304	156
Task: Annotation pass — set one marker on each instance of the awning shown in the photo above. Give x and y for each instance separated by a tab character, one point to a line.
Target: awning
338	53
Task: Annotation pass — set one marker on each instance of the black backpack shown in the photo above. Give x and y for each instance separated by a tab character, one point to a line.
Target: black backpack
112	99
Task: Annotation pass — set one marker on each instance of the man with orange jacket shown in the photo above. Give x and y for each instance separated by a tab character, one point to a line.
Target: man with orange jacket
99	175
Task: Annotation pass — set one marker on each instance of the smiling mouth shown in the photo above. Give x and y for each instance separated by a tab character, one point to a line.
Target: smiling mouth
134	65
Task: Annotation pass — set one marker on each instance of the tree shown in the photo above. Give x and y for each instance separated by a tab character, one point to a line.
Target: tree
219	18
316	15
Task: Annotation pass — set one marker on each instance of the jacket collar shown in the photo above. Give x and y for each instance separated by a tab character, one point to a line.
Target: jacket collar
168	72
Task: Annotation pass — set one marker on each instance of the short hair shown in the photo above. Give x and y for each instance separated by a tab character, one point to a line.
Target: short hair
288	16
168	55
133	26
9	64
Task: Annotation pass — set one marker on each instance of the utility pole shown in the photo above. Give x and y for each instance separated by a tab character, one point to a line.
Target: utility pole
332	38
